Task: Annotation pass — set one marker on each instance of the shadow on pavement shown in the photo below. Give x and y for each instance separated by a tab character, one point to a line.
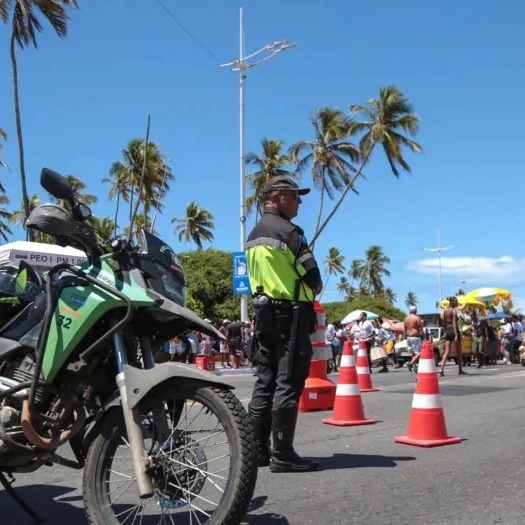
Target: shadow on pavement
448	389
270	518
342	461
41	499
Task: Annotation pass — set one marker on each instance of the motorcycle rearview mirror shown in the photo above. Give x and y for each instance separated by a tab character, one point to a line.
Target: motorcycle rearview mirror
57	185
82	212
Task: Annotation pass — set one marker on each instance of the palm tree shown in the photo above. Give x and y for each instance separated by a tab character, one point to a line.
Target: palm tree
351	294
386	119
119	189
103	225
126	176
270	164
334	264
389	295
196	225
329	155
18	216
78	186
411	299
343	286
24	27
141	222
3	137
355	272
5	218
373	268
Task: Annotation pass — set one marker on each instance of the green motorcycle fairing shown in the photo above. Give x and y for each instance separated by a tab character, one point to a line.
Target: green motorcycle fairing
80	307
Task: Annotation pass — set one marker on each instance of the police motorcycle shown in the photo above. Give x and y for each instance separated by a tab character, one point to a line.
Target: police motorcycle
157	443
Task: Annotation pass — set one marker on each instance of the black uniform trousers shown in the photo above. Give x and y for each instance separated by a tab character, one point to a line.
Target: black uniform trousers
273	389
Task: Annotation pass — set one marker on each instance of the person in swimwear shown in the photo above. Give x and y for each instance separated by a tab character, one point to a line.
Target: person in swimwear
452	336
413	329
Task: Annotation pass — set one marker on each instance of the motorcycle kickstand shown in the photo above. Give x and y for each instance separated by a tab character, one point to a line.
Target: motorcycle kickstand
12	492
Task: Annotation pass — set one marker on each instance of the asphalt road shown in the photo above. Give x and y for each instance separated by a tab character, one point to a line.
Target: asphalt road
367	478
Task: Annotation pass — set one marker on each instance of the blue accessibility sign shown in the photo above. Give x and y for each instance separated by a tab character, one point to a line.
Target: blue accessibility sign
241	282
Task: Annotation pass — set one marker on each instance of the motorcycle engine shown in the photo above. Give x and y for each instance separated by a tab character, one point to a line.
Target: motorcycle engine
17	370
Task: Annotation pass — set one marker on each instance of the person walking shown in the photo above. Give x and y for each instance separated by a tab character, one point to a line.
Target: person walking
223	348
452	336
334	342
286	278
364	330
234	342
413	325
480	338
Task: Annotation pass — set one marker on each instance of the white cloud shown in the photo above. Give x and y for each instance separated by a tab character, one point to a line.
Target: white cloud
494	271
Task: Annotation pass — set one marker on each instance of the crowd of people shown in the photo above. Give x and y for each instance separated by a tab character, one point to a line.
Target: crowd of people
372	332
230	352
467	338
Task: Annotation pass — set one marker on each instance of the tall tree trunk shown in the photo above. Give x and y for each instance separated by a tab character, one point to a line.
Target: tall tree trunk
321	202
131	208
116	214
25	199
341	198
324	287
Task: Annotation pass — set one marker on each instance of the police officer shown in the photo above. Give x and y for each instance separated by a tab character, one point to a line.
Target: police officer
286	278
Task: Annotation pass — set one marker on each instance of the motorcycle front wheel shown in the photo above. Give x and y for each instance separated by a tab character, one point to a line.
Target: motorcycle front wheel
202	463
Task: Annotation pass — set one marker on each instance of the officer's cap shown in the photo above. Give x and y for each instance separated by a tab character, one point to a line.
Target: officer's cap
283	183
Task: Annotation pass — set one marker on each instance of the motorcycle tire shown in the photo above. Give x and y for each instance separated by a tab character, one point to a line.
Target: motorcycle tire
239	487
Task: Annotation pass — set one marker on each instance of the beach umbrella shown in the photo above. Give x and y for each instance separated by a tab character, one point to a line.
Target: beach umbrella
353	316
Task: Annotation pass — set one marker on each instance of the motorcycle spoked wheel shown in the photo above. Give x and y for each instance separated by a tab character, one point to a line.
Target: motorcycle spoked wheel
204	468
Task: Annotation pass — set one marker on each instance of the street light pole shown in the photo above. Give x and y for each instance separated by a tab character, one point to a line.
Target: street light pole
439	250
241	65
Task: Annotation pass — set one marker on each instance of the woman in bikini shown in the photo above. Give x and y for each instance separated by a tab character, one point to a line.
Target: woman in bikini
452	336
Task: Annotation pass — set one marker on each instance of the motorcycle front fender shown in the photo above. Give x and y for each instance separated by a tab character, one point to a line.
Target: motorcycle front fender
140	382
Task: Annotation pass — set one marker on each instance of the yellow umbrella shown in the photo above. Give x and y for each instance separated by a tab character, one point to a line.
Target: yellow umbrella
445	303
491	295
466	302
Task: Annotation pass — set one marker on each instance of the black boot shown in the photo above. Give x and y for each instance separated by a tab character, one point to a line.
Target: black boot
284	458
262	426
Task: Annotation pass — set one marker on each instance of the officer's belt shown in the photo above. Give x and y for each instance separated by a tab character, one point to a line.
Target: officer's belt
285	304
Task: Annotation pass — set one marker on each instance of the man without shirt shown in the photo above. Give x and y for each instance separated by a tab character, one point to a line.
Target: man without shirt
413	328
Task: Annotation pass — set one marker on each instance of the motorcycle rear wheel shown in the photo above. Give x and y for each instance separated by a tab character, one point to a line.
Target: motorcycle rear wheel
205	464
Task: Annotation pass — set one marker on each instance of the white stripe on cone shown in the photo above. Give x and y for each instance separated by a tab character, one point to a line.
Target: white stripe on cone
362	370
362	352
347	390
347	360
427	366
427	401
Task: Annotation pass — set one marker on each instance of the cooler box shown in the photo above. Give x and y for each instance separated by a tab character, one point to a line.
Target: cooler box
206	362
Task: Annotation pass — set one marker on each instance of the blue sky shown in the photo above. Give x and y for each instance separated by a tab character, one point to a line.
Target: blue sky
460	63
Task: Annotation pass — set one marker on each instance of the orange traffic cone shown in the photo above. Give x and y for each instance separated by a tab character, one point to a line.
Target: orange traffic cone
348	406
426	427
363	370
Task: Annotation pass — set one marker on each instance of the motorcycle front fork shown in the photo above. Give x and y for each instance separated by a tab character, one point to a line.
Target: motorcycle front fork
132	421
